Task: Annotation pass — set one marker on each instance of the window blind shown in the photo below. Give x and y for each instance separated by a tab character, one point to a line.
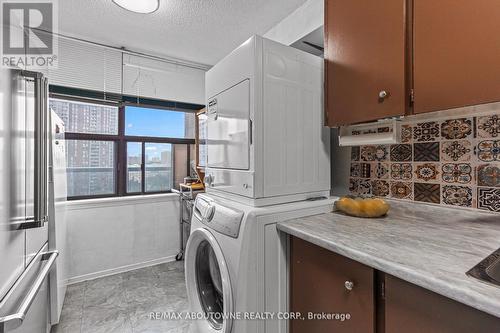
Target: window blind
87	66
158	79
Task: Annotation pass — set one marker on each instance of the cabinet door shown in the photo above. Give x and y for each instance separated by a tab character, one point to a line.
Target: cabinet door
365	46
412	309
456	53
317	282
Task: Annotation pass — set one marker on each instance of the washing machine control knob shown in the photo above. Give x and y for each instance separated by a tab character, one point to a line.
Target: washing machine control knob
209	214
209	179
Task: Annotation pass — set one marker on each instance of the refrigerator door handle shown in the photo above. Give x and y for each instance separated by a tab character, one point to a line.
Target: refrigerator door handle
15	320
41	137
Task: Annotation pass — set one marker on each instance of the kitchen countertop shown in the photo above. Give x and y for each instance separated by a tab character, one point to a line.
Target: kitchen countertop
430	246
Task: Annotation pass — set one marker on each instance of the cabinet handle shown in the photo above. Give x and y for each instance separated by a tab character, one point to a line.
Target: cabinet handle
349	285
383	94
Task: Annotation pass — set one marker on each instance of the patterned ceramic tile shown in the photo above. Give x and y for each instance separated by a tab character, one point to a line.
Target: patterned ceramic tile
364	186
452	161
457	195
353	185
488	175
488	150
456	151
355	153
457	173
401	171
355	170
428	172
380	188
365	170
424	152
488	199
401	153
406	133
380	170
488	126
402	190
427	192
359	186
456	128
428	131
374	153
382	153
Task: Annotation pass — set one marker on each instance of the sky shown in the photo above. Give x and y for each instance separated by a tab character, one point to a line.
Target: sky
142	121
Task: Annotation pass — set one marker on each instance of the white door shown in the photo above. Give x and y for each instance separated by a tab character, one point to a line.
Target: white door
208	283
228	128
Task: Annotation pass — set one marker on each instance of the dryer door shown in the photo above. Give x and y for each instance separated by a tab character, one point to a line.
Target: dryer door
208	283
229	128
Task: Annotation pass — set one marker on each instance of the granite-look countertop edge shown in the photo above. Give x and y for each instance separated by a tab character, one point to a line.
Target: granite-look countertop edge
448	248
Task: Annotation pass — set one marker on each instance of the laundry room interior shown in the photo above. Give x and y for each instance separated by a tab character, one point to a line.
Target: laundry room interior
232	166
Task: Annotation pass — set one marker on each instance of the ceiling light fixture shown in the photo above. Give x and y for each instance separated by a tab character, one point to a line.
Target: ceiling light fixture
141	6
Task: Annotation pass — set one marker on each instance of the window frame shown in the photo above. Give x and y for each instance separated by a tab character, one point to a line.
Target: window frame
120	144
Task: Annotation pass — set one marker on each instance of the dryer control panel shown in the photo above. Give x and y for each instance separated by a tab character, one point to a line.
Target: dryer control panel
217	217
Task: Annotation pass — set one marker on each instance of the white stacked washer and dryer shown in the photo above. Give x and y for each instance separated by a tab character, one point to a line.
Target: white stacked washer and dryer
268	160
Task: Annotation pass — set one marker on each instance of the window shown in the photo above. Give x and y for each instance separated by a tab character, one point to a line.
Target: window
158	123
154	145
134	167
158	173
91	167
80	117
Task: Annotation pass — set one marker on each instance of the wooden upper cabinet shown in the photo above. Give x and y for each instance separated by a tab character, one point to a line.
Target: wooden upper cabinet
365	52
456	53
318	284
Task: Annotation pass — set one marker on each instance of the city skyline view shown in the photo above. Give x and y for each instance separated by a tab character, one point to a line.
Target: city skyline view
91	163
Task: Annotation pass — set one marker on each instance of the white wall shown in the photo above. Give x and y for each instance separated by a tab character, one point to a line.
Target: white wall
299	23
112	235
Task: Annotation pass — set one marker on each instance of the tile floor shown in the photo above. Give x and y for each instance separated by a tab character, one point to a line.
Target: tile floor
122	303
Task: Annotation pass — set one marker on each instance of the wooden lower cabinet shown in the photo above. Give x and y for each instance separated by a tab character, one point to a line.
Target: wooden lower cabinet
317	278
412	309
377	302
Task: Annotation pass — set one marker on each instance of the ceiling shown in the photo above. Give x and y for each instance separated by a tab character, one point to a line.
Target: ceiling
201	31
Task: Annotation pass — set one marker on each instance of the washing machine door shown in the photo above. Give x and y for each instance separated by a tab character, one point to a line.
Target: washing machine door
208	283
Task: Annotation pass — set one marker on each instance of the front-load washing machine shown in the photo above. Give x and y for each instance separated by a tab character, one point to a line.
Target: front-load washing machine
236	264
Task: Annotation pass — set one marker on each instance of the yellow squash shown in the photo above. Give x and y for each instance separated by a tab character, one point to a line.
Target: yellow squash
362	207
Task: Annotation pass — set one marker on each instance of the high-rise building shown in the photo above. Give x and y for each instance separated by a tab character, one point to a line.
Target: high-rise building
166	157
90	163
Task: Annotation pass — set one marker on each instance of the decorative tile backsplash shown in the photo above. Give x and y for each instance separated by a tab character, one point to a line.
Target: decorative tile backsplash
452	161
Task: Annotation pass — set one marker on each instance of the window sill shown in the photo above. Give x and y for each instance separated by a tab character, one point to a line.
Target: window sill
120	201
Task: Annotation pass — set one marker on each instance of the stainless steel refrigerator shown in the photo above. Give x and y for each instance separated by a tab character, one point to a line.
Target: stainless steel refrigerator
25	260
